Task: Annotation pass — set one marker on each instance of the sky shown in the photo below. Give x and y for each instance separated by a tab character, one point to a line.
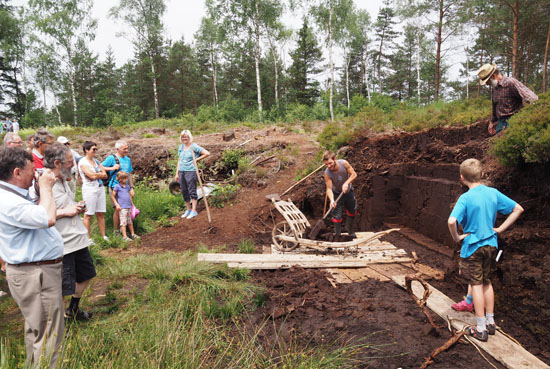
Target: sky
182	18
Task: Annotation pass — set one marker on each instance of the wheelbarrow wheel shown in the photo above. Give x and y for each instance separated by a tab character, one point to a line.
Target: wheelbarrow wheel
283	229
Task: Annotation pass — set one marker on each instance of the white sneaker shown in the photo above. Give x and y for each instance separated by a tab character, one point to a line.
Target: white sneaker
106	238
186	213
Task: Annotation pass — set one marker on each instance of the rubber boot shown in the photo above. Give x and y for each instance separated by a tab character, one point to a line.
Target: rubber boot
350	221
337	229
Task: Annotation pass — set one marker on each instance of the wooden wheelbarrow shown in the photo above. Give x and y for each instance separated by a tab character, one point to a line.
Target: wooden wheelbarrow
288	234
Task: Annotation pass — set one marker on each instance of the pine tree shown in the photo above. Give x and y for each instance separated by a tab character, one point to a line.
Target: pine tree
305	64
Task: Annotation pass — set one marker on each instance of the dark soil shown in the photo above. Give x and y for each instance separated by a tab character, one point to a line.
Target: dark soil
409	179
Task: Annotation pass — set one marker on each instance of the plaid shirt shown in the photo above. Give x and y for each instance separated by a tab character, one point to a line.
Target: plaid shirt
509	96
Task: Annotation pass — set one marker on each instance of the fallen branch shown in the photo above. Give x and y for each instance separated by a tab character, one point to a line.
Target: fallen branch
451	341
244	143
301	180
421	303
264	160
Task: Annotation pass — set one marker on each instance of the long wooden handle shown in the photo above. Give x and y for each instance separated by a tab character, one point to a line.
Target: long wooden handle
202	188
303	179
330	209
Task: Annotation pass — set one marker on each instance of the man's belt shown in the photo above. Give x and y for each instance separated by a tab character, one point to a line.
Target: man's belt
42	262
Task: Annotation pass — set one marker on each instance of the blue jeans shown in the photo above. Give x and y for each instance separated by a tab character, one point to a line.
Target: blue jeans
502	123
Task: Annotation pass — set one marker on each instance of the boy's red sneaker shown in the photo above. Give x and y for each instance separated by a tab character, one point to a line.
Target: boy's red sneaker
463	306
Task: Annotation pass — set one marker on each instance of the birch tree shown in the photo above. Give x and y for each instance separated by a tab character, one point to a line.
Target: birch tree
64	24
144	17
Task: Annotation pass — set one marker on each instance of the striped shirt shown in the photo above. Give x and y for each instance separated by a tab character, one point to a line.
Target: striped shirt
509	96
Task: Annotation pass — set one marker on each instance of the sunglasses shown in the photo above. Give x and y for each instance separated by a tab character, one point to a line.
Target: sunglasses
94	149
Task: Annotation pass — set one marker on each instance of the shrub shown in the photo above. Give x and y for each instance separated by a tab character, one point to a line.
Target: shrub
527	140
334	136
231	157
222	195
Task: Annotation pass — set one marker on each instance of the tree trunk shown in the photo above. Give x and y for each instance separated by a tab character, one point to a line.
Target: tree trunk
545	65
73	94
331	86
380	64
155	91
214	88
276	79
418	80
57	109
347	80
529	52
438	51
515	22
467	72
257	60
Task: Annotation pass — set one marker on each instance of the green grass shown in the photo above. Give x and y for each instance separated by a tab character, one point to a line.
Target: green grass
246	246
172	311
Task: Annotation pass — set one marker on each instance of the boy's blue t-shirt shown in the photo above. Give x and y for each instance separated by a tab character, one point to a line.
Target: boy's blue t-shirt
123	196
125	165
477	211
186	158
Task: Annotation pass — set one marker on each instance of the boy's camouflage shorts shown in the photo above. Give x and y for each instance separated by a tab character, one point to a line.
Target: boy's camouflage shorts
478	268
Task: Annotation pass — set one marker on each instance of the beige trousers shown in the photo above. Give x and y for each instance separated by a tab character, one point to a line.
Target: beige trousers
37	291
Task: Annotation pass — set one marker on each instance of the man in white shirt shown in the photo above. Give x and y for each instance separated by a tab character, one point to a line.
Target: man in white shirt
33	251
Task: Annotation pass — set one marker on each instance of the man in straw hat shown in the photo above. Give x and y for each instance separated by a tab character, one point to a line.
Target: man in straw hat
509	96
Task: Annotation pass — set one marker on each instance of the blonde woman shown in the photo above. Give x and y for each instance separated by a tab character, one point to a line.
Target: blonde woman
186	172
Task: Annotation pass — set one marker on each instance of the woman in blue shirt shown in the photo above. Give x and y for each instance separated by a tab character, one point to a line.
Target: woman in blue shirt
186	173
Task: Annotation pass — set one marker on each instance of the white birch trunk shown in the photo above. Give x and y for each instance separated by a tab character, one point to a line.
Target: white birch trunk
57	109
467	76
257	61
331	63
347	80
214	80
155	91
418	80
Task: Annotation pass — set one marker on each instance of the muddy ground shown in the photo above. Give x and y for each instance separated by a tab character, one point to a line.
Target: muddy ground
408	179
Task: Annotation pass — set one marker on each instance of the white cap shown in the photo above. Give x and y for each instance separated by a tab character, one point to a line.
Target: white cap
63	140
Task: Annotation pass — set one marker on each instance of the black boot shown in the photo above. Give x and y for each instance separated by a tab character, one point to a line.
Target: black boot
337	229
350	221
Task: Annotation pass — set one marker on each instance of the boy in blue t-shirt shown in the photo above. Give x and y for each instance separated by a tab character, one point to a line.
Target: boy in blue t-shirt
476	211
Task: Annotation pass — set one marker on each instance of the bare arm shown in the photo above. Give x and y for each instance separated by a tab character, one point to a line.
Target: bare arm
512	217
453	228
351	176
88	172
330	195
204	154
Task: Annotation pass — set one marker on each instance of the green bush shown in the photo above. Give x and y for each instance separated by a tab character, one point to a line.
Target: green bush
334	136
222	195
231	157
527	140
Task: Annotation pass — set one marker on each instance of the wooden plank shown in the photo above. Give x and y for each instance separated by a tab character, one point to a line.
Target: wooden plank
390	270
355	275
335	276
427	270
315	264
286	258
502	348
423	240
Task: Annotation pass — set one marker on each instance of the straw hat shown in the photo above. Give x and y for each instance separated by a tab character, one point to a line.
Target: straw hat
485	72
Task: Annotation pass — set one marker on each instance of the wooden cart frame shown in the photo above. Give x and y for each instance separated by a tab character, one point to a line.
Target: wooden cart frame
288	234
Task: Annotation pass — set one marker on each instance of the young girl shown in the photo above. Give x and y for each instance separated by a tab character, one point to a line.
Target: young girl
123	203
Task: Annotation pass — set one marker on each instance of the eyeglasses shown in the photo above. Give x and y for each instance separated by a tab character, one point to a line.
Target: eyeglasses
67	144
94	149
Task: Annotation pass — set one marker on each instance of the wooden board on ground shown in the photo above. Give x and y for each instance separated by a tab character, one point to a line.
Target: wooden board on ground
423	240
335	277
318	264
389	270
502	348
343	276
387	255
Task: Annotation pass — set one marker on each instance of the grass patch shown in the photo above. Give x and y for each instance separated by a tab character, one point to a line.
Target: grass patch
246	247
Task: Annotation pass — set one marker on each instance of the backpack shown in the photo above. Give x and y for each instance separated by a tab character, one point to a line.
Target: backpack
111	173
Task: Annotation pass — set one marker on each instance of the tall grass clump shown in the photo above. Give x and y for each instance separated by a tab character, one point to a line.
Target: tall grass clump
527	139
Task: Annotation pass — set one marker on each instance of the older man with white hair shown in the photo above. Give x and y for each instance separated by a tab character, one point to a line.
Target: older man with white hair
114	163
12	139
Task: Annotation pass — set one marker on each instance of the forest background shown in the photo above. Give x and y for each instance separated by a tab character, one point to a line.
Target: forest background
233	70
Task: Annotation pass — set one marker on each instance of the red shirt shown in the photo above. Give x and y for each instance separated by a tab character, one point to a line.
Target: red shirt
38	161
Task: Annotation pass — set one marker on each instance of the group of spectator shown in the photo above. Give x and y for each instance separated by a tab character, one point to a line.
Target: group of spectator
9	125
44	242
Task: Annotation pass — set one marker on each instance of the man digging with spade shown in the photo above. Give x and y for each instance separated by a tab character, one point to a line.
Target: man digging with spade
338	177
